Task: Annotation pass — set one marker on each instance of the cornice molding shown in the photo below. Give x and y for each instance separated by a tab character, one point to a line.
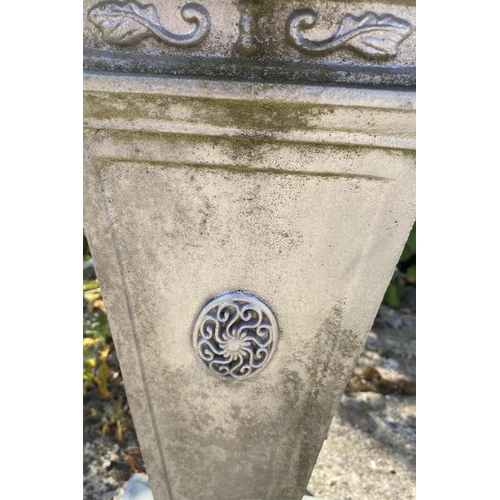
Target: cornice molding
282	112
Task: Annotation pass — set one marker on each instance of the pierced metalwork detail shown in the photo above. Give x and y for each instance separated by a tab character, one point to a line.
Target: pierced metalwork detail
235	335
370	35
127	23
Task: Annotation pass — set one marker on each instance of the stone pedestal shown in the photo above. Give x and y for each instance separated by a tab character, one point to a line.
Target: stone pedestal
249	187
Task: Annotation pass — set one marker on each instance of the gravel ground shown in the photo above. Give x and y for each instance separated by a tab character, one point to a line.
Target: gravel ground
370	450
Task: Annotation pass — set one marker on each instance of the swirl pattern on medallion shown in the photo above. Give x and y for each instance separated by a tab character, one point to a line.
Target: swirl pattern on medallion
235	335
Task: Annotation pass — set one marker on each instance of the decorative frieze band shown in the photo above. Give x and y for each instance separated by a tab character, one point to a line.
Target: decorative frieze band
372	35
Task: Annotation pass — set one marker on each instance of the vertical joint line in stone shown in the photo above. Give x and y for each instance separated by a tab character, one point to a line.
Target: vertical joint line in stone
133	327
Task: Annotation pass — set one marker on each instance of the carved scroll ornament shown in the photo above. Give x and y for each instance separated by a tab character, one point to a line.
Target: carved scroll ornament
235	335
371	35
127	23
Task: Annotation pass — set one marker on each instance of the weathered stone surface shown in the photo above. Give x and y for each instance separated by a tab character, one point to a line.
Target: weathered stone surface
300	196
370	449
250	39
177	214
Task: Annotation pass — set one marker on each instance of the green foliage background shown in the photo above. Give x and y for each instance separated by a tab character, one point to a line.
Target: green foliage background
405	273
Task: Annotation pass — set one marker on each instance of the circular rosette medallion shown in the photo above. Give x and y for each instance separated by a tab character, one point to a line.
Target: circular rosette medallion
235	335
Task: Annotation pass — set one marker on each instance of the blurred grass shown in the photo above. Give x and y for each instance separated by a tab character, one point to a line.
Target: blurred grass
101	374
405	274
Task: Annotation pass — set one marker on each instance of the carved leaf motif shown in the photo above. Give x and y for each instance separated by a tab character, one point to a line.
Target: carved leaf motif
125	23
373	35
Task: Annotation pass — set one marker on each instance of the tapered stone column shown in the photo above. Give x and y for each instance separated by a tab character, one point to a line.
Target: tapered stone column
249	187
